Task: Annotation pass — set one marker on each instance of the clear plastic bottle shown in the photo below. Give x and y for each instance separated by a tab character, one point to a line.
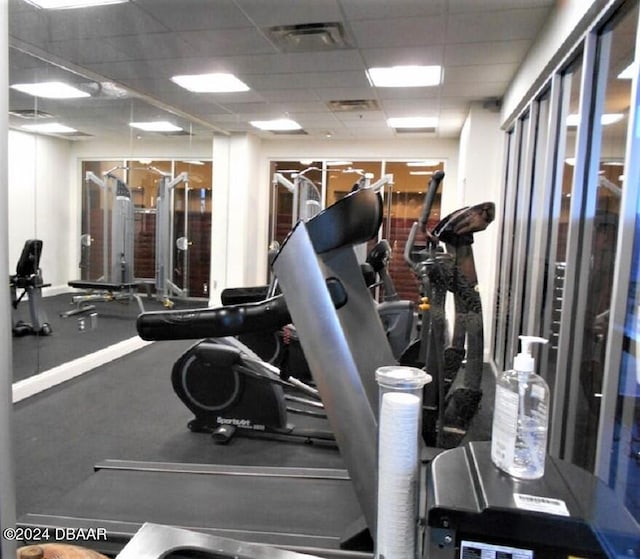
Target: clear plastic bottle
520	417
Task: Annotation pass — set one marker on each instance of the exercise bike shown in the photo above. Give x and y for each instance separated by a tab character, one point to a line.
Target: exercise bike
457	368
28	277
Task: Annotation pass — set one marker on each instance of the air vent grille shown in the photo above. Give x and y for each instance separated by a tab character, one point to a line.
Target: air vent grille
427	130
290	132
353	105
30	114
176	133
309	37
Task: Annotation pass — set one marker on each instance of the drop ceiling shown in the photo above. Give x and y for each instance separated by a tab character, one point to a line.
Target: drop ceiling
125	55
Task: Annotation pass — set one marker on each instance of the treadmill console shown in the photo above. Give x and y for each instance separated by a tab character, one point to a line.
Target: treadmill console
476	511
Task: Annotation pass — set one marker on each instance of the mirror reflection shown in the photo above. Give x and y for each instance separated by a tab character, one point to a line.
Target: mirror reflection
141	224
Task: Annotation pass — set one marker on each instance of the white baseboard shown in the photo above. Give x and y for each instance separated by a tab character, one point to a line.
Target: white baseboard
33	385
56	290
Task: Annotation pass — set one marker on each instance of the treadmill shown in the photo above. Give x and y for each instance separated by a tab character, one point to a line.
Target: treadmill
468	509
327	512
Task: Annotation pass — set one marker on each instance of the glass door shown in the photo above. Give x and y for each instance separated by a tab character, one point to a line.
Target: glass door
99	194
402	209
192	205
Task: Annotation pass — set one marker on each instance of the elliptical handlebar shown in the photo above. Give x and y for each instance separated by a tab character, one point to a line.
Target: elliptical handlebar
213	323
430	196
421	224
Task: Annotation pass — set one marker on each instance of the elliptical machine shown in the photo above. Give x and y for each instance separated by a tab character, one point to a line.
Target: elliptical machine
397	315
227	386
229	389
449	409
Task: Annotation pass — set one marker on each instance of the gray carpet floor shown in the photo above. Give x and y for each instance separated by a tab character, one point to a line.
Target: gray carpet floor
115	323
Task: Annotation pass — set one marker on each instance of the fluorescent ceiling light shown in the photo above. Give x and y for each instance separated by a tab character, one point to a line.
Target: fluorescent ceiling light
50	90
279	124
413	122
211	83
424	163
339	163
421	172
405	76
605	119
195	162
628	72
68	4
156	126
49	128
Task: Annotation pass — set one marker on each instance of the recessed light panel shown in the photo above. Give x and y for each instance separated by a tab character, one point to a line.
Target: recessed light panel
49	128
69	4
156	126
413	122
280	124
50	90
424	163
211	83
405	76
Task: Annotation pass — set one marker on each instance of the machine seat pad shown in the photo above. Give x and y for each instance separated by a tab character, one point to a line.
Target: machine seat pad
104	286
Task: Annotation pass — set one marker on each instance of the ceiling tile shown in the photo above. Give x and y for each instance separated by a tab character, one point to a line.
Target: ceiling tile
508	25
399	32
465	54
287	12
228	42
480	73
191	15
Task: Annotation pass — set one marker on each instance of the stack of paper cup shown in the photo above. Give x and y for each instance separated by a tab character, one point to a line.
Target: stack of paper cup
398	460
398	476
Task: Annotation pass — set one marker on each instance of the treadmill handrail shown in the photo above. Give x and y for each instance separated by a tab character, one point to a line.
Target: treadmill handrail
352	220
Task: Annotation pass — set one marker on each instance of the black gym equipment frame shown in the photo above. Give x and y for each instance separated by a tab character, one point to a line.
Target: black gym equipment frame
28	277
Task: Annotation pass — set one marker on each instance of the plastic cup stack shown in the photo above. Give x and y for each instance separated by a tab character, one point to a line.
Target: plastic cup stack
398	460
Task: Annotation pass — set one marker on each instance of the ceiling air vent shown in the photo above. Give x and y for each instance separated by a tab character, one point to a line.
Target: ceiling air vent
355	105
299	132
78	134
426	130
176	133
308	37
30	114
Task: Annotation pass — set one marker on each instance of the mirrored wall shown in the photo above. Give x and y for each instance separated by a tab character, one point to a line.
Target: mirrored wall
403	185
564	254
87	184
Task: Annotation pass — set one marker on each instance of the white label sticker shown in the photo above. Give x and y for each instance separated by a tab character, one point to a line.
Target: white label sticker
505	426
541	504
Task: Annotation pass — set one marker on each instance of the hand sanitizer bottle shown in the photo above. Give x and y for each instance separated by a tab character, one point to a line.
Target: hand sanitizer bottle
520	417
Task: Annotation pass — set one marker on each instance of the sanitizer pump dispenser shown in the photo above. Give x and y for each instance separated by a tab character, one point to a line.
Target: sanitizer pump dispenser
520	417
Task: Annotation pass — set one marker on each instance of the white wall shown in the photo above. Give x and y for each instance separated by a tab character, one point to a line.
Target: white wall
239	214
41	205
480	180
